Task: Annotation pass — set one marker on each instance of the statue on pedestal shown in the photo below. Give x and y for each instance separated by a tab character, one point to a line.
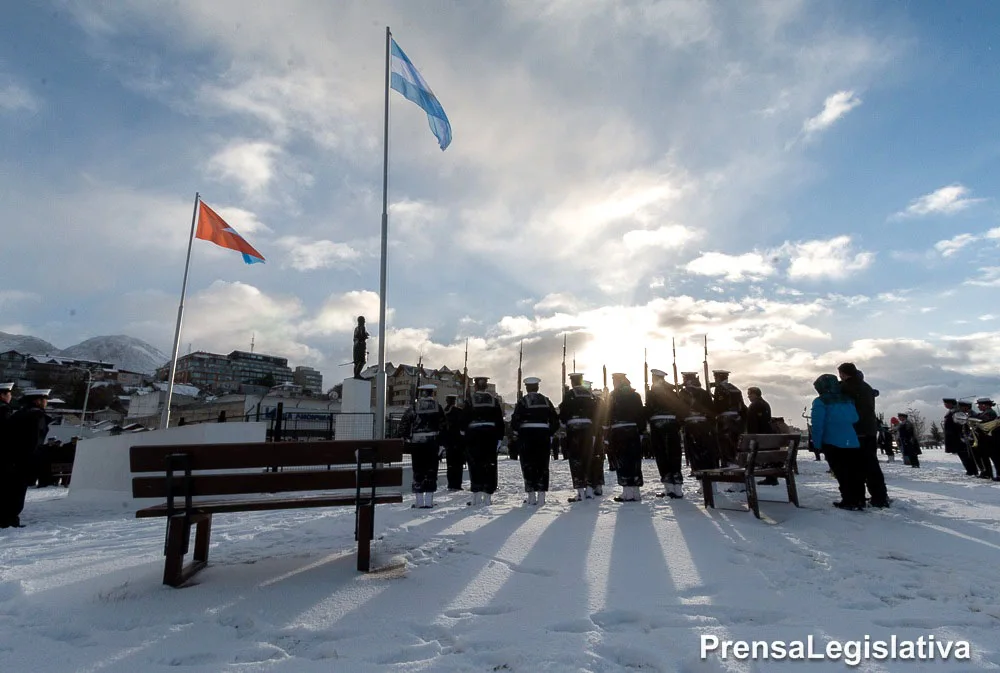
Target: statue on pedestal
360	349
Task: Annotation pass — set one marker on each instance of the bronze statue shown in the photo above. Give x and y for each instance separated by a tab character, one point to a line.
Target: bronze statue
360	350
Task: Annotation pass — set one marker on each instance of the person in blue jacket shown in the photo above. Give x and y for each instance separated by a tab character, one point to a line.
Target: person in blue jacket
833	419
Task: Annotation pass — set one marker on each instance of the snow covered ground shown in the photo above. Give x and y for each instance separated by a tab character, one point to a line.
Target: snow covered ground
596	586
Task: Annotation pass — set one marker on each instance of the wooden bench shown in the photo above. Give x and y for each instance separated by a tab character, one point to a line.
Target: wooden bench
758	456
247	475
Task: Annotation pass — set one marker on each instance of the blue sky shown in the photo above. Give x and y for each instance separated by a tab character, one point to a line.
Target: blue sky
805	182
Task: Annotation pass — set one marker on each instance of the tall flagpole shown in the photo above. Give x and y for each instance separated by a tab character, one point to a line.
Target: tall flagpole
380	374
165	417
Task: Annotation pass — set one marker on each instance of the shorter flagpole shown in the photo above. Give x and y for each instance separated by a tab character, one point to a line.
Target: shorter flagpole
165	417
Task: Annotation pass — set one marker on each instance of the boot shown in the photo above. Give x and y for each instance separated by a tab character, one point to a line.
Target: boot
419	503
581	493
532	498
598	490
588	493
477	499
428	500
541	498
487	498
675	491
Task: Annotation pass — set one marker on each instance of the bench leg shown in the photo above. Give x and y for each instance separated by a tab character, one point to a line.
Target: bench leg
366	518
793	492
178	534
751	485
202	535
707	488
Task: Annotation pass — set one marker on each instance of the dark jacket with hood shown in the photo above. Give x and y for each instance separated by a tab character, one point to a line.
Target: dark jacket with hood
864	400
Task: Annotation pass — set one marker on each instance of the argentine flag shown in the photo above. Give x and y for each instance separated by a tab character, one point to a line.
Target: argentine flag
407	81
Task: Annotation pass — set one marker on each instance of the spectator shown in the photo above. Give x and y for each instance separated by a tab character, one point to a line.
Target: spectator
853	385
833	419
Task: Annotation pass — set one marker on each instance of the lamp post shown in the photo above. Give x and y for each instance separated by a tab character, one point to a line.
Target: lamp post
86	397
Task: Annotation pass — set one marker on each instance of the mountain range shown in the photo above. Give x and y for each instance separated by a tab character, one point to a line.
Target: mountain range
124	352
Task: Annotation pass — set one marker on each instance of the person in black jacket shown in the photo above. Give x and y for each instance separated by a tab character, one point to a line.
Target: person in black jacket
25	433
6	390
759	423
700	442
534	420
627	419
852	384
953	437
909	444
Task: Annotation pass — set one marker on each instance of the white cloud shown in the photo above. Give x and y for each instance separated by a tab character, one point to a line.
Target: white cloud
308	255
559	301
990	277
10	297
944	201
834	259
339	314
834	107
15	97
736	268
665	237
247	164
949	247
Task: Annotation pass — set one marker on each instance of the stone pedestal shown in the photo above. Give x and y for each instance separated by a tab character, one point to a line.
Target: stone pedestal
355	419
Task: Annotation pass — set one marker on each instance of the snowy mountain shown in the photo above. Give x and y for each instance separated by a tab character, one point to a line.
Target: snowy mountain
125	352
26	344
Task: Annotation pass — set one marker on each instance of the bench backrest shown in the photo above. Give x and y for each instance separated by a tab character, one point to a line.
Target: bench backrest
771	449
195	470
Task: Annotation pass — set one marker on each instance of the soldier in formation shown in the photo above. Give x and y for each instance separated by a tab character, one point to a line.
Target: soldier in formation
627	421
578	413
731	414
535	421
699	424
453	439
664	411
484	431
953	442
426	422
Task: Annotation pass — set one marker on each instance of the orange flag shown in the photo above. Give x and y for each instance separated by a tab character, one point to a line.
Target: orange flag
213	228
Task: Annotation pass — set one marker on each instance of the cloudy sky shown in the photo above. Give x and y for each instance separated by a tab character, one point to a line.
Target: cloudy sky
805	182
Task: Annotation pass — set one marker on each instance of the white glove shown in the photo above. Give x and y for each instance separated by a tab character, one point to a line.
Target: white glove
441	452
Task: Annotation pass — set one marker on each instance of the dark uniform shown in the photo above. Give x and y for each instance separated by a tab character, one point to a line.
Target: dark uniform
759	422
578	412
968	435
986	444
885	442
664	411
484	429
731	414
909	445
24	434
953	437
627	421
535	420
602	433
454	442
699	424
426	422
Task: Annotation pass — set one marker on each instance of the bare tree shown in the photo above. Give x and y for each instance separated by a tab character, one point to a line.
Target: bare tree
919	423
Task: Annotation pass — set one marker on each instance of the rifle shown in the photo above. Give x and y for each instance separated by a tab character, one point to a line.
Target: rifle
465	374
520	357
565	387
645	372
605	369
707	384
673	344
420	360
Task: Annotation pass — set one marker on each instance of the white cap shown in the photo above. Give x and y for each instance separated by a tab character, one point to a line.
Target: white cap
6	387
428	386
37	392
658	372
575	374
532	381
